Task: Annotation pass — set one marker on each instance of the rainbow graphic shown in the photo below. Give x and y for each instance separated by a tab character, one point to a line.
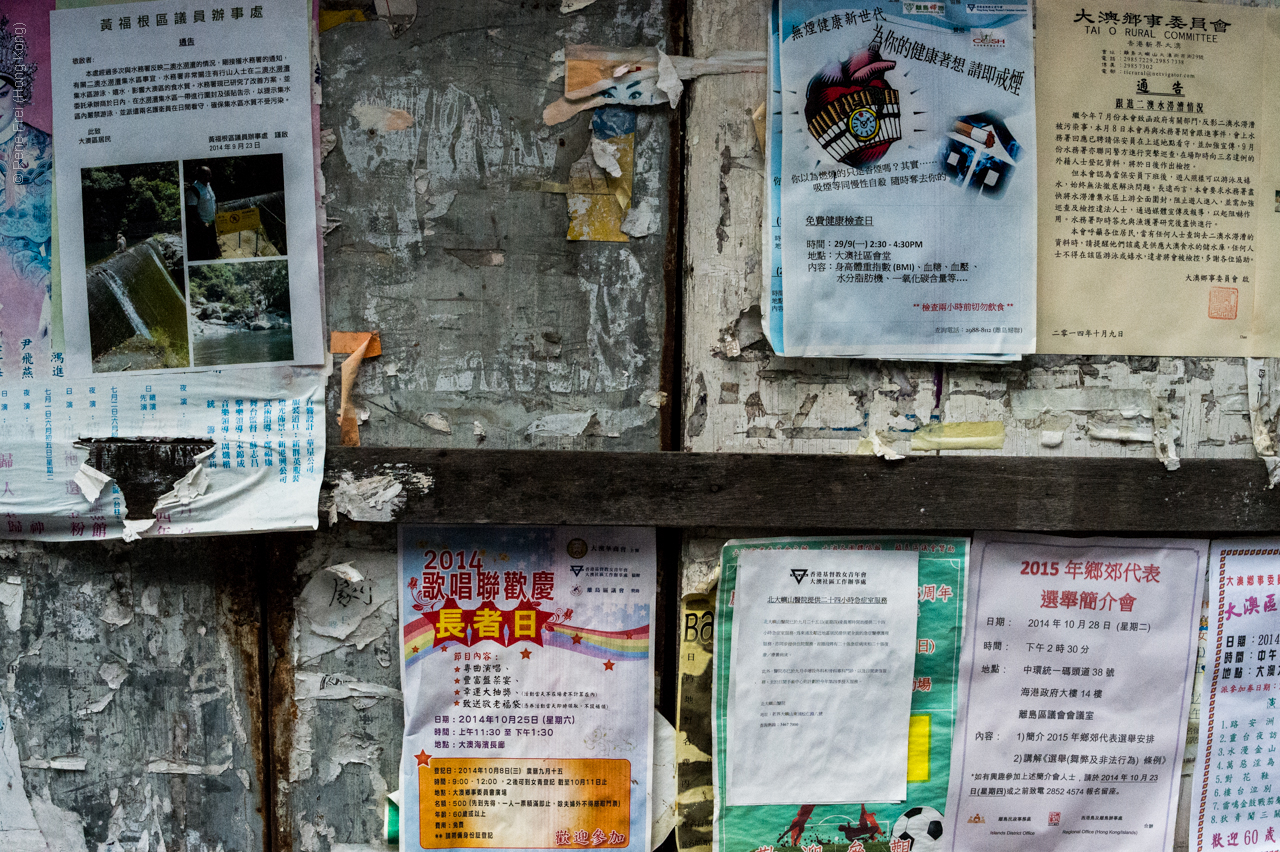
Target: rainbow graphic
630	644
617	645
418	636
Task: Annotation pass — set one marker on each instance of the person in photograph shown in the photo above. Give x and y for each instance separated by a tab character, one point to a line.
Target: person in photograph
26	164
202	211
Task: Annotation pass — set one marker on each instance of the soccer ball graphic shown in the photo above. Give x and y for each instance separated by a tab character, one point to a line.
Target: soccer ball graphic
920	827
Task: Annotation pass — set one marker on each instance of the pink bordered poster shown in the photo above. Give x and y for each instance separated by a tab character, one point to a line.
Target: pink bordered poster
1237	800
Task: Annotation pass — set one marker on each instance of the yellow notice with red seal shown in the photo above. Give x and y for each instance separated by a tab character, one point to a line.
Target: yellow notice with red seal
528	685
479	803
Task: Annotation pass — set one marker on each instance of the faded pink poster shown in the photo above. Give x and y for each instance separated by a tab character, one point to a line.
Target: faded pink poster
26	200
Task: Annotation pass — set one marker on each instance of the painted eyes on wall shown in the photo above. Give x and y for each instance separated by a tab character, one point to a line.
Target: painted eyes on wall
630	92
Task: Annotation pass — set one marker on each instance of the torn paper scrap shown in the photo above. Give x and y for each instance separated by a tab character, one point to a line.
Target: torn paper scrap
334	686
96	706
374	498
337	599
66	763
669	80
642	219
1164	433
648	77
91	482
598	200
605	154
133	530
875	445
663	817
188	488
113	674
18	827
11	602
164	766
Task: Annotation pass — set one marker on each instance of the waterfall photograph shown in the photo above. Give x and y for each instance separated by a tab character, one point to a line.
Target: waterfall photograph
134	267
240	313
235	207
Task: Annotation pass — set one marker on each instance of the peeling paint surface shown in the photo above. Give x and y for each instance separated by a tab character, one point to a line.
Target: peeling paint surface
132	695
346	716
466	274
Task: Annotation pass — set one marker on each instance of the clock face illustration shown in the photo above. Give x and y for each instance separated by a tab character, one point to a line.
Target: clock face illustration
863	123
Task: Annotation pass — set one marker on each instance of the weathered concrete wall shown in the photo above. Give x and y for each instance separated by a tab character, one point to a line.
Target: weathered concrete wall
509	335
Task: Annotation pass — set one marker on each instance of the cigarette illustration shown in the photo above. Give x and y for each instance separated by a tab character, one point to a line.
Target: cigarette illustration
985	138
979	154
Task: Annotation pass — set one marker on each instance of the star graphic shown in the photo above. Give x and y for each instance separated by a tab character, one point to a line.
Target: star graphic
577	639
444	648
423	758
456	692
608	665
455	680
455	704
456	669
526	654
414	649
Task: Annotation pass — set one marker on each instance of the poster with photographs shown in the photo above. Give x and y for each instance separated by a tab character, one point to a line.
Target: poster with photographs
186	190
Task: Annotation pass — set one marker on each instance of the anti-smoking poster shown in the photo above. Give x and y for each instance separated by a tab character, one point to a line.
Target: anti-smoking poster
908	192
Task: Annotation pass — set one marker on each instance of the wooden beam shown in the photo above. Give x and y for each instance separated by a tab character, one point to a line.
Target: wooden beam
792	493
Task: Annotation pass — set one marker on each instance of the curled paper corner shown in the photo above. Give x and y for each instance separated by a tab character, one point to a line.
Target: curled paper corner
91	482
875	445
359	345
346	571
669	79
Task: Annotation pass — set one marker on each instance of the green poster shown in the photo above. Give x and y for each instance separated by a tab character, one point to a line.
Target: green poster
914	825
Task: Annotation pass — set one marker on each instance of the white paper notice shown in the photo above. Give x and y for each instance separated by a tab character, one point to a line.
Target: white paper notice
1236	802
1079	656
185	186
820	682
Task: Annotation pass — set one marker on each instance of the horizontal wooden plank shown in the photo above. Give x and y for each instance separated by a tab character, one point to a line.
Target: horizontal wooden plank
809	492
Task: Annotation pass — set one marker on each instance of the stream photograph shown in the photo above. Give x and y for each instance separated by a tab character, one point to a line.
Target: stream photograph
240	313
134	267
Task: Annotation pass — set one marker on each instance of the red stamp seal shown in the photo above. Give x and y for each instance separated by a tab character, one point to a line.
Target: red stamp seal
1223	302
